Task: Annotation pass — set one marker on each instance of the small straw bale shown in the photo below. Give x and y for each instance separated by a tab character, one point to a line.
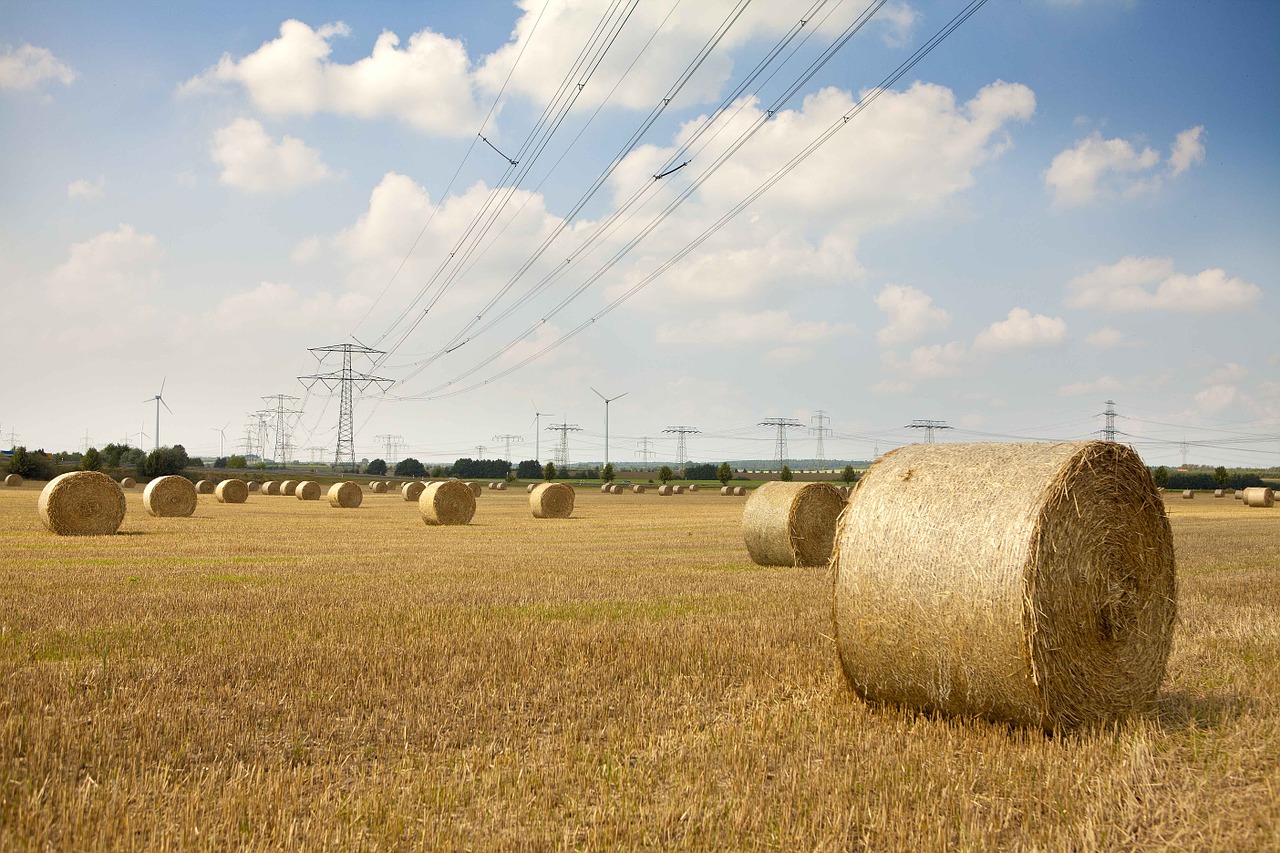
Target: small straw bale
378	487
1031	583
447	502
232	492
679	490
307	490
271	487
13	480
501	486
637	489
791	524
128	483
288	487
1218	493
412	491
1240	494
346	495
665	490
204	487
617	489
531	487
475	489
254	485
552	500
373	483
1188	495
693	487
605	488
726	490
170	497
740	491
83	503
1259	496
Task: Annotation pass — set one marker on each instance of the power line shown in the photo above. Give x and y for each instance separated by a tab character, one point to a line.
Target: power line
928	426
780	444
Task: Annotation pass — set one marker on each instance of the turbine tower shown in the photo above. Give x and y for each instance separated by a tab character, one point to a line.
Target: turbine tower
159	398
607	401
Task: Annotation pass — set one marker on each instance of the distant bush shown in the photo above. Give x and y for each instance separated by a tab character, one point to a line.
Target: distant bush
163	462
481	469
701	471
407	468
91	461
377	468
32	464
529	469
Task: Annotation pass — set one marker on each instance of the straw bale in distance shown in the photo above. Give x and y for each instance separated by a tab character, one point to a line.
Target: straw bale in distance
288	487
1259	496
666	490
128	483
1240	494
740	491
271	487
475	489
1188	495
307	490
232	492
170	497
1028	582
531	487
447	502
204	487
604	488
501	486
1217	493
412	491
13	480
254	485
693	487
726	490
82	503
346	495
378	487
679	490
637	489
552	500
791	524
617	489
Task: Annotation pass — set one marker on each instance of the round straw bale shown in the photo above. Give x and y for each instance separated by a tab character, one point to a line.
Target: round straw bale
378	487
1217	493
740	491
204	487
500	486
531	487
679	490
1259	496
13	480
605	488
373	483
447	502
170	497
307	490
271	487
1240	494
637	489
346	495
666	490
726	490
1027	582
693	487
475	489
412	491
1188	495
128	483
617	489
288	487
83	503
791	524
254	485
552	500
232	492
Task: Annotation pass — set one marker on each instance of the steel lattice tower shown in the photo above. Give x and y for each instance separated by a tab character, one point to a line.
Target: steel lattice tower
780	446
507	440
562	451
821	430
348	381
282	426
928	427
1108	432
682	451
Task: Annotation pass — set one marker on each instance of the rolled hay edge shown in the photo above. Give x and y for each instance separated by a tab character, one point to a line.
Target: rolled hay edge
232	492
170	497
346	495
307	490
448	502
552	500
791	524
82	503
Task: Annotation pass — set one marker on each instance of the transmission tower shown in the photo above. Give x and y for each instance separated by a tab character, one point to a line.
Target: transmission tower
928	427
821	430
314	453
562	451
507	441
644	452
348	382
1108	432
282	412
780	446
1184	447
480	450
393	444
682	452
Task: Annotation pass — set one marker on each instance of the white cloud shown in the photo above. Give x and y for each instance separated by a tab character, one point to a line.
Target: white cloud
1226	373
932	362
84	188
1215	398
1101	385
278	305
912	314
29	66
788	356
1022	330
901	20
115	266
252	162
1105	338
737	328
1098	167
889	387
1125	286
425	84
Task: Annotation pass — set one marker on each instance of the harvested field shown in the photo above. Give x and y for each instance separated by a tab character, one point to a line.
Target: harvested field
262	676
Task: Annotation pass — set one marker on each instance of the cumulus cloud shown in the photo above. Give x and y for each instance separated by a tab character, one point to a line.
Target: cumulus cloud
28	66
278	304
113	266
900	20
932	362
1021	330
1105	338
1097	167
252	162
739	328
84	188
1215	398
1127	286
1101	385
911	313
1227	373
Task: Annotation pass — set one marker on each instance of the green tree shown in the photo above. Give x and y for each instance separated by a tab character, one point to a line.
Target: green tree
377	468
665	474
32	464
607	473
113	453
163	461
407	468
700	471
1221	477
92	460
724	473
236	461
529	469
549	471
1162	476
785	474
848	475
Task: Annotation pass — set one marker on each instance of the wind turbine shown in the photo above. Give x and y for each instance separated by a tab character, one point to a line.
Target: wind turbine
159	398
222	435
607	401
537	430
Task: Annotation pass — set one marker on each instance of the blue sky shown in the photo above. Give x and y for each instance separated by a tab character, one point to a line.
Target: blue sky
1064	203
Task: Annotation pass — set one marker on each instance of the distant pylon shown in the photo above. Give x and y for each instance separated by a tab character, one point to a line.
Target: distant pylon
282	426
1108	432
682	450
507	440
562	451
348	381
820	429
928	427
780	446
392	443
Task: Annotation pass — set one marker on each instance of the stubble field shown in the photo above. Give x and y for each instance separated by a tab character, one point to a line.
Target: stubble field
282	674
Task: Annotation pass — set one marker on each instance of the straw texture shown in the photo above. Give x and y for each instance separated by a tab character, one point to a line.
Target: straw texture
13	480
307	490
232	492
447	502
346	495
475	489
254	485
552	500
204	487
82	503
170	497
791	524
128	483
378	487
740	491
1259	496
726	490
288	487
271	487
1031	583
637	489
412	491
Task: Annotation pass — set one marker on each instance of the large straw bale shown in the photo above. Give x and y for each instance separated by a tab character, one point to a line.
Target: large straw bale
271	487
791	524
475	489
82	503
1259	496
170	497
204	487
666	490
412	491
232	492
128	483
346	495
307	490
13	480
1029	582
254	485
552	500
288	487
447	502
1188	495
637	489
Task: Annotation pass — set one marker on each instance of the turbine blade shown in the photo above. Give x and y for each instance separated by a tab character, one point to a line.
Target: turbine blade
166	405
